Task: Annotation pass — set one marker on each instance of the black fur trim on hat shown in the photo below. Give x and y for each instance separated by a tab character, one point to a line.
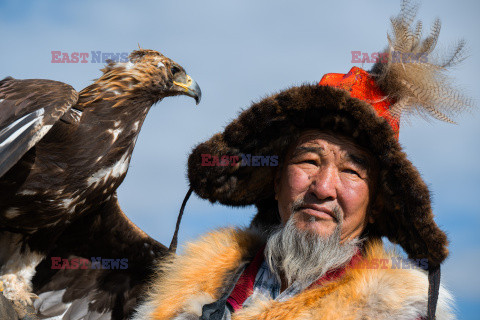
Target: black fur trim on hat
268	127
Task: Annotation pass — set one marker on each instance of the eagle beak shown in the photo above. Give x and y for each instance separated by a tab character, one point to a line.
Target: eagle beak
191	88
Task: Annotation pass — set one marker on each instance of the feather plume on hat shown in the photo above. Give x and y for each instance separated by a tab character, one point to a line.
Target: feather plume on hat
414	76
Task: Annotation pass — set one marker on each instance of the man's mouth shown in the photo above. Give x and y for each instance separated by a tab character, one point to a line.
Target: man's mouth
318	212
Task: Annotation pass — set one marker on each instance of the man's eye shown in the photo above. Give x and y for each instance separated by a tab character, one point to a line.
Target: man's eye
309	161
351	171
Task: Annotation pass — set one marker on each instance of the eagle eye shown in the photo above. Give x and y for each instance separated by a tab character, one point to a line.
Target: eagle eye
175	70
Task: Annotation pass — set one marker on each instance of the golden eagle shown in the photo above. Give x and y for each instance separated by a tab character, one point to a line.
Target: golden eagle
64	239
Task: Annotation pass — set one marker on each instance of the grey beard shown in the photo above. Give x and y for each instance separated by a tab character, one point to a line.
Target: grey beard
304	256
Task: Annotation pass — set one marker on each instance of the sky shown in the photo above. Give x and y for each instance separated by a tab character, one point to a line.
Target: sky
240	52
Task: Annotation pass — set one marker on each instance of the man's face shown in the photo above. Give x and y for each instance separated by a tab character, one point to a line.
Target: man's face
325	176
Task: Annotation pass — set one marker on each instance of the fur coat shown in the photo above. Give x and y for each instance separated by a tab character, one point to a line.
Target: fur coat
197	277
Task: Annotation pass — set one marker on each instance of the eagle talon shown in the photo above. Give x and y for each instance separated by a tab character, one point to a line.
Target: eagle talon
17	290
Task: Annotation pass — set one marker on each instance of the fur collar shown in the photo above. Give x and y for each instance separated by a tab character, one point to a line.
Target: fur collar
187	282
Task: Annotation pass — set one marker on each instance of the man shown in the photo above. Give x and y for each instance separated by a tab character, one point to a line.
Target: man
314	248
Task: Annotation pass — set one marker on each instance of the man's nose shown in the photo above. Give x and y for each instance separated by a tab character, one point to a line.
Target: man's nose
324	184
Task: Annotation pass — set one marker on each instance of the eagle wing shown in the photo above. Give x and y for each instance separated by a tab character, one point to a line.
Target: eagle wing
28	110
122	259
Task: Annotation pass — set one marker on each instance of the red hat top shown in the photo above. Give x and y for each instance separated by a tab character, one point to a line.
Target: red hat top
361	85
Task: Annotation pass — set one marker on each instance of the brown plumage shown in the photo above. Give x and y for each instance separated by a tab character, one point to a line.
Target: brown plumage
63	154
414	76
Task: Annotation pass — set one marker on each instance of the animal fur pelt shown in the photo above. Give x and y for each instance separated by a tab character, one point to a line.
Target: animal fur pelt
187	282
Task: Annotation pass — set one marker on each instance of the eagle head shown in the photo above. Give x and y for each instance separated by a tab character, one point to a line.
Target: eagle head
147	75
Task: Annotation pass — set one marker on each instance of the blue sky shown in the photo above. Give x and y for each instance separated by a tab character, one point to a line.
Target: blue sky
239	52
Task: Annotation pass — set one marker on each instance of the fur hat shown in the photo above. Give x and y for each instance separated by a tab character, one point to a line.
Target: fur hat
363	106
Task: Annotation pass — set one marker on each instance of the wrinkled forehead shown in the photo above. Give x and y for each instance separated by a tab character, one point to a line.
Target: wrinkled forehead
315	139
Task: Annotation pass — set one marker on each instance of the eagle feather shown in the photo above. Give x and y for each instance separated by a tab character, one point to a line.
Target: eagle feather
414	76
